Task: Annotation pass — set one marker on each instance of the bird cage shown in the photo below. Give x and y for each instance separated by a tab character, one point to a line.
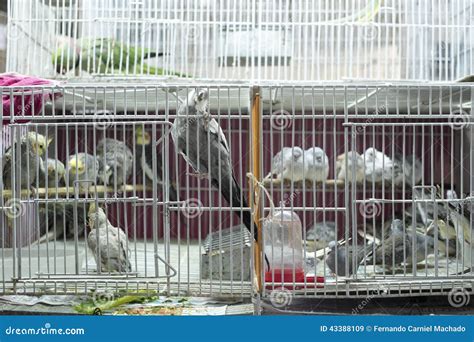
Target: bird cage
254	40
369	165
375	159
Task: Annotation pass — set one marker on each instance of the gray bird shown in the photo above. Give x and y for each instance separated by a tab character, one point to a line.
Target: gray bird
400	247
193	128
82	169
392	251
406	170
459	213
354	162
316	164
31	147
109	244
338	255
144	159
53	172
115	160
319	236
287	164
428	208
413	170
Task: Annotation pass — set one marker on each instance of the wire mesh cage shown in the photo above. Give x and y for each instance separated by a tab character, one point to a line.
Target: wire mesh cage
167	187
253	39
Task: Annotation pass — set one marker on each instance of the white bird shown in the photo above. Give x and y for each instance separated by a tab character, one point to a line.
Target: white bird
288	164
109	244
316	164
354	161
378	166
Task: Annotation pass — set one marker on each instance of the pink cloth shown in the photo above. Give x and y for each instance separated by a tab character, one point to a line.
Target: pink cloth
28	104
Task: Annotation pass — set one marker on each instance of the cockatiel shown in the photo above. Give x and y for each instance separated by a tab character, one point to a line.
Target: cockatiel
109	244
31	147
144	158
194	128
82	169
104	56
54	172
115	162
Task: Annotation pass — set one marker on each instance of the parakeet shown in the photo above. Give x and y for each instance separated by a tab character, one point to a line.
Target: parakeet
193	122
316	164
54	172
109	244
31	147
82	169
104	56
115	162
354	161
287	164
144	158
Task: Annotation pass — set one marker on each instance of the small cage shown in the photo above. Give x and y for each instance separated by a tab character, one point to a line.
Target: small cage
253	40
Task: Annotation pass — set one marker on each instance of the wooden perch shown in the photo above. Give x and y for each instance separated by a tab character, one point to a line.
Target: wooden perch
299	185
71	192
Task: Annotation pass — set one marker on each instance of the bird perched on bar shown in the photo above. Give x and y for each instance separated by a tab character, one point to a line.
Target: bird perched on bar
354	162
109	244
52	173
115	162
30	148
144	158
213	162
104	56
316	164
406	169
460	215
319	236
400	246
82	169
345	251
287	164
378	166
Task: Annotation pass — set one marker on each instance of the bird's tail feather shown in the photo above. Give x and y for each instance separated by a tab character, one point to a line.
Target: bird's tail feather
246	216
